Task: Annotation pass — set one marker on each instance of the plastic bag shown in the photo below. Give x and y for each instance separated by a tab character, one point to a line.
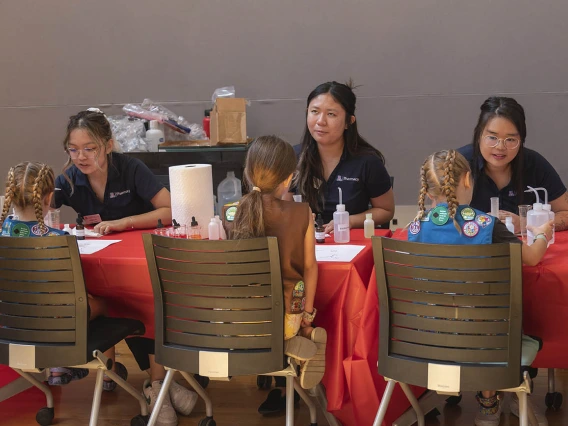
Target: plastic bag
128	133
223	92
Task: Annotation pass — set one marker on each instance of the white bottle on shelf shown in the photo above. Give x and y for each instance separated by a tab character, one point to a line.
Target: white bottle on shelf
154	136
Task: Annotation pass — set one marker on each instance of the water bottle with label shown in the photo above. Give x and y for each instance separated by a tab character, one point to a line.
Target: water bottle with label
228	191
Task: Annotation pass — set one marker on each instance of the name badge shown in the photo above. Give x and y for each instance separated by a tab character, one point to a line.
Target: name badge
92	219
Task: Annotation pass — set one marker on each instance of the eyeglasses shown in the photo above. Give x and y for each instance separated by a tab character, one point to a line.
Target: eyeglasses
87	152
493	141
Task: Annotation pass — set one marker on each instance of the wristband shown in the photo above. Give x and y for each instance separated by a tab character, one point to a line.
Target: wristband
309	317
541	236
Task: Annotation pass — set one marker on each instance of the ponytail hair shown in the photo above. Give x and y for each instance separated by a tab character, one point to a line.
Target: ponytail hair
270	161
439	176
28	184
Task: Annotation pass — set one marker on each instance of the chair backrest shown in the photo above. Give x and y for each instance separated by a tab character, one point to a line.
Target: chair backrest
218	305
449	310
42	303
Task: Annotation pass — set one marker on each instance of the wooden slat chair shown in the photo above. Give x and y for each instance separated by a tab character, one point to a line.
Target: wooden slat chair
220	313
44	319
450	319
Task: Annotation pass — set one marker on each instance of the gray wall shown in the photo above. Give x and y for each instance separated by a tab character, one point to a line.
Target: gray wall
425	66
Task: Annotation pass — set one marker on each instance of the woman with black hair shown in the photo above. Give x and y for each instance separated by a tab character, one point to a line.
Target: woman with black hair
334	155
502	166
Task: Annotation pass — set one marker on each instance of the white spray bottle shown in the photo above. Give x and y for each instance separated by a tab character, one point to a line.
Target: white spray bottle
535	217
340	222
547	207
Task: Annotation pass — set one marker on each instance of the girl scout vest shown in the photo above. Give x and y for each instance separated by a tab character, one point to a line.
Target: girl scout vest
438	228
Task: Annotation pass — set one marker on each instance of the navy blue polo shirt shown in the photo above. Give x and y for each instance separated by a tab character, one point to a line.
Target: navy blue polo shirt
129	189
537	172
360	177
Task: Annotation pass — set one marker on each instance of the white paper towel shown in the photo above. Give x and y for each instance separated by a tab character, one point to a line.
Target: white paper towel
191	187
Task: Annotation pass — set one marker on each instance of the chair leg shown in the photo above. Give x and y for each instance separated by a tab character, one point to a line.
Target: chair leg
200	391
551	381
523	415
161	396
289	401
35	382
384	403
97	397
322	399
306	398
414	403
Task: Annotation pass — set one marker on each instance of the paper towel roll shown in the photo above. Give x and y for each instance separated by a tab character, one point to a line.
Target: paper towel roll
191	187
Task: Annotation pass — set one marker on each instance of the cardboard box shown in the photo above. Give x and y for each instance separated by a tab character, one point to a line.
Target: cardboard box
229	121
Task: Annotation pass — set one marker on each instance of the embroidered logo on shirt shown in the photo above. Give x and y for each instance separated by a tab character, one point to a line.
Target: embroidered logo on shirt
512	193
118	194
344	178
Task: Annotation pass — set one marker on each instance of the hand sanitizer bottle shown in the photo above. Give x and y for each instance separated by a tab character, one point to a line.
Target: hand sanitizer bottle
340	222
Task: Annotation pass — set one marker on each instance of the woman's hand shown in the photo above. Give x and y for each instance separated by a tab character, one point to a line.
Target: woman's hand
329	227
107	227
545	229
503	214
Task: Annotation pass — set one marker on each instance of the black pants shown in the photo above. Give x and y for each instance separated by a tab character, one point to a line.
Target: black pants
141	348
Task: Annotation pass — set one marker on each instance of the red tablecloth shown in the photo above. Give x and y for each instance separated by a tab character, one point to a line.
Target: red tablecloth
119	274
545	304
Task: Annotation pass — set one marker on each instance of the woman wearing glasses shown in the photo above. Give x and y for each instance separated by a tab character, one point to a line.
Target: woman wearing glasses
502	167
118	193
115	191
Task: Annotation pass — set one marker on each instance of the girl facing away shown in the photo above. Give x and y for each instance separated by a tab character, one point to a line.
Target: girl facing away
29	189
269	167
446	180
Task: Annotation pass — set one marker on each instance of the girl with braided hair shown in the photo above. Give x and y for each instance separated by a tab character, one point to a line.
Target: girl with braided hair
29	189
446	180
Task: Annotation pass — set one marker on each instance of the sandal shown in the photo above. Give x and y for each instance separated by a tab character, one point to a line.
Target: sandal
110	385
313	369
300	348
69	374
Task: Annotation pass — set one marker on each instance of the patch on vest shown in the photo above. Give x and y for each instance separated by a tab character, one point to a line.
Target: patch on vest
468	214
470	229
483	220
20	230
440	215
414	227
39	230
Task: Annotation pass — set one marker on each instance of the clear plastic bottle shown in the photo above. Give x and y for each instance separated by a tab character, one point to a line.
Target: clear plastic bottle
154	136
535	217
547	207
228	191
369	225
509	224
340	222
213	229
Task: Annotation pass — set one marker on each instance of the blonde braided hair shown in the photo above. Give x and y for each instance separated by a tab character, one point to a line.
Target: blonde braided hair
10	194
38	194
439	176
28	184
450	186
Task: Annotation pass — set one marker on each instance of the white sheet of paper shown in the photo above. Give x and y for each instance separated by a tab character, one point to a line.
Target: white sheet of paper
93	246
337	253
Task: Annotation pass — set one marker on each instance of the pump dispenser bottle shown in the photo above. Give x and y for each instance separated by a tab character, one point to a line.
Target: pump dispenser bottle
340	222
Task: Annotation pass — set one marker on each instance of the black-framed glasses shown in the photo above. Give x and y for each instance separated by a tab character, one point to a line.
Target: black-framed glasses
492	141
